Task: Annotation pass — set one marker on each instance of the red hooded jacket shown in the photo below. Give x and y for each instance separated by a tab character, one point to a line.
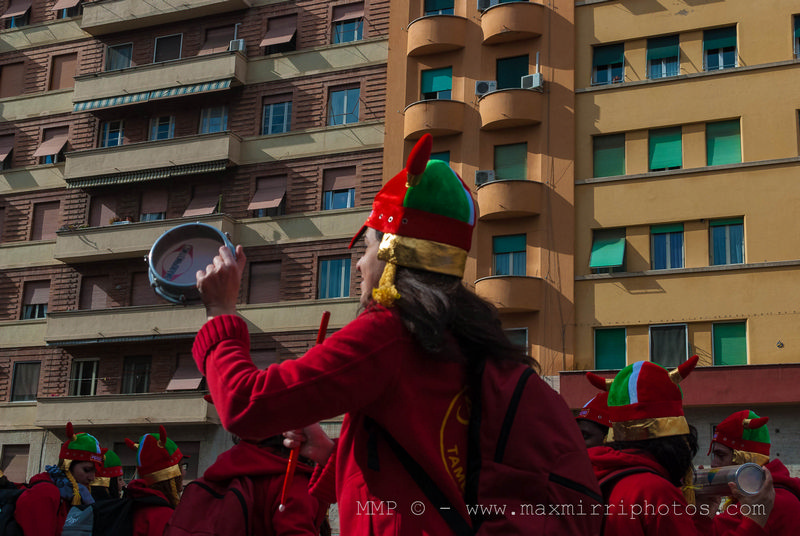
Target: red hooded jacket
649	504
148	520
303	513
40	509
785	515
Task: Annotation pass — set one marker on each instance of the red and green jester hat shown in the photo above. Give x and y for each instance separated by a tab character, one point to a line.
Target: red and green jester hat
746	433
78	448
426	214
157	457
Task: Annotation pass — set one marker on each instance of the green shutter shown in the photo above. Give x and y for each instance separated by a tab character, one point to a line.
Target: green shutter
719	38
728	221
608	248
796	26
436	5
730	344
608	55
609	348
511	161
508	244
659	48
444	156
665	148
723	143
669	228
510	71
437	80
609	155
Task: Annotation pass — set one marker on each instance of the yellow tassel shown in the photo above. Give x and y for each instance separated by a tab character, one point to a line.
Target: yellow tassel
689	487
76	493
386	293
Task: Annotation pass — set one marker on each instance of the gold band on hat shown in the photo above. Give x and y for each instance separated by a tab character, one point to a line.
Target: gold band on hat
162	474
745	456
650	428
102	481
422	254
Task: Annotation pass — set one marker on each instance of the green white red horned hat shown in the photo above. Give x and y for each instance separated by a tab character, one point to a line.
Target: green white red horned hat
747	434
157	457
80	447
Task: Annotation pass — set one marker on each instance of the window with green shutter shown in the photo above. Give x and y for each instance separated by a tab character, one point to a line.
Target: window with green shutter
607	64
508	255
797	36
444	156
730	343
510	71
723	143
663	56
437	83
511	161
665	149
719	47
609	155
439	7
608	251
609	348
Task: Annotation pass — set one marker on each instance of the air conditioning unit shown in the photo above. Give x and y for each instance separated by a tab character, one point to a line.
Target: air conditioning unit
237	45
482	176
483	5
532	81
482	87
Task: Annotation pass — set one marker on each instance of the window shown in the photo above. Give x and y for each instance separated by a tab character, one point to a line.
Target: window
437	83
281	35
665	149
727	241
17	14
609	348
136	374
218	39
119	56
62	71
186	376
669	345
45	221
265	282
6	148
338	188
518	337
83	378
343	106
214	119
66	9
25	385
277	117
141	291
730	343
153	206
205	200
51	150
508	255
12	78
666	246
723	143
607	64
439	7
719	46
270	197
511	161
663	57
348	23
94	293
444	156
797	36
510	71
14	462
111	134
35	295
334	278
609	155
167	48
608	251
162	128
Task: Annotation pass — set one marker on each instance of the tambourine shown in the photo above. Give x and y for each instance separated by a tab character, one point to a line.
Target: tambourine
178	254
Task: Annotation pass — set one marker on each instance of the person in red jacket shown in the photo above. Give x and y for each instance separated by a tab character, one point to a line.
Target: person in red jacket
645	472
405	363
741	438
157	466
43	506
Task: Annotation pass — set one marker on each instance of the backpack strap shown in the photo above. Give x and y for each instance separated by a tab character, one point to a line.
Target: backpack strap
787	488
214	493
608	482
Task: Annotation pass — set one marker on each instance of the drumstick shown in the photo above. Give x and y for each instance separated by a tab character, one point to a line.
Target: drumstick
290	467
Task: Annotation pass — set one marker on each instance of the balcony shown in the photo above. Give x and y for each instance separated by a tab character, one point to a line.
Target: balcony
17	416
512	294
154	81
509	108
109	16
152	160
84	412
438	117
436	34
513	21
510	199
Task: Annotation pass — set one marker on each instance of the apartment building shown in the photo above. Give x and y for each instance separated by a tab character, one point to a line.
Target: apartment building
686	199
122	119
492	81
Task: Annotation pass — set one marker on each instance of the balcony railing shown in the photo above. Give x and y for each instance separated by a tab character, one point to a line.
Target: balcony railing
512	294
510	199
512	21
436	34
438	117
509	108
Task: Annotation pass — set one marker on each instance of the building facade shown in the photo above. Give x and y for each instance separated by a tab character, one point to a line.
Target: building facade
120	120
685	197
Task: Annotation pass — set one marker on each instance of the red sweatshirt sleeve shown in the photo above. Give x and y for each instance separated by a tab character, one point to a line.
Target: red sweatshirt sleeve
352	368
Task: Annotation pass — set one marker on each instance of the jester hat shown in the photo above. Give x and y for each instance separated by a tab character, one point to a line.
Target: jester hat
80	447
596	410
112	468
426	214
157	457
645	400
746	432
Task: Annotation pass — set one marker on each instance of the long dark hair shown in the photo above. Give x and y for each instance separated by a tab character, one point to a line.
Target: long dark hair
673	453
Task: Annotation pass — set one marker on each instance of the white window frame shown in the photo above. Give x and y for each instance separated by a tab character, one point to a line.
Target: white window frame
105	131
130	60
267	113
667	244
75	380
344	284
156	123
180	47
344	113
213	112
719	52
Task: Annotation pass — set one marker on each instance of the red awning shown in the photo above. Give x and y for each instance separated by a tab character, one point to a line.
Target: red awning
16	8
6	145
348	12
203	203
281	30
54	140
268	197
65	4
